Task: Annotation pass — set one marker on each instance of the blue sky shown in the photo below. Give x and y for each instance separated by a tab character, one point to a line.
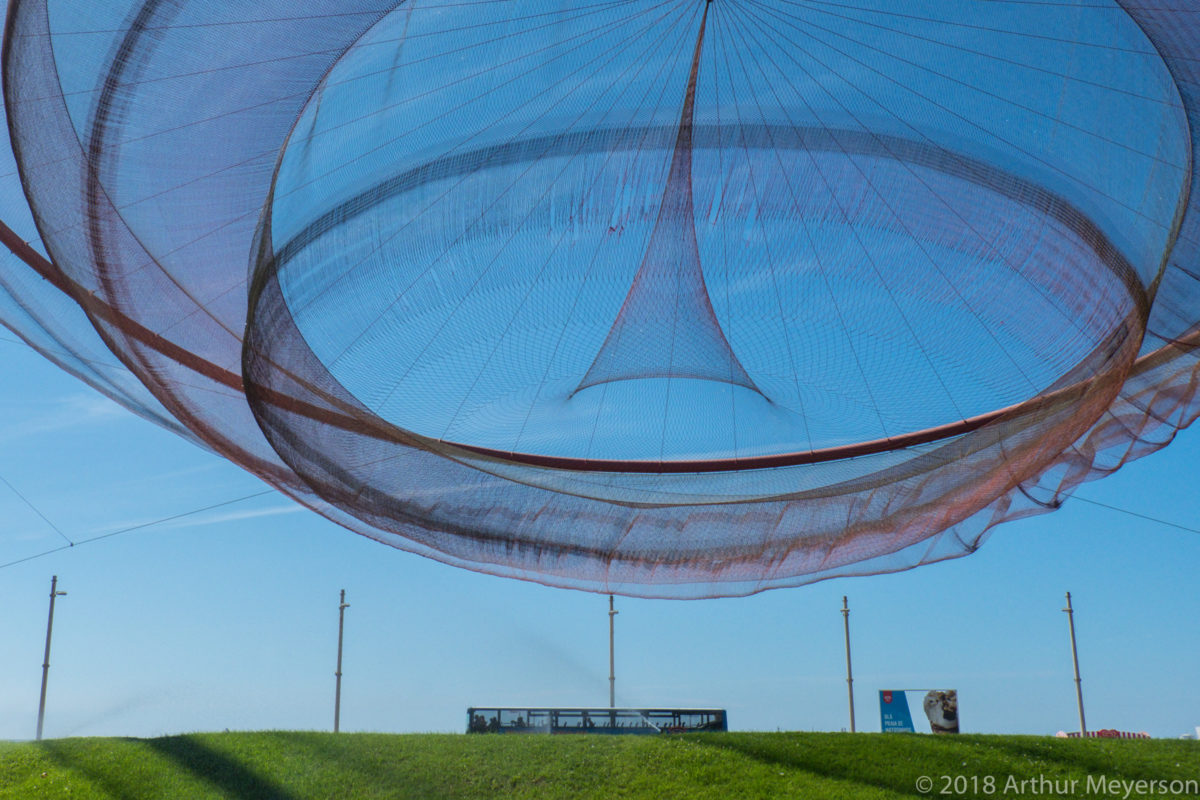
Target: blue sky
227	618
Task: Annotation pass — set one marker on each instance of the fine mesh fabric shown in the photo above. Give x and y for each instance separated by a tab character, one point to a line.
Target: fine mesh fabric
663	298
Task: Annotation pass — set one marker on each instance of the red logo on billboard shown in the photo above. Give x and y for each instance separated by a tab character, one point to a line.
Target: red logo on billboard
887	697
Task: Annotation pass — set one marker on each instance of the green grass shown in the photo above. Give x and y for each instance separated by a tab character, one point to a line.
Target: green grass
733	766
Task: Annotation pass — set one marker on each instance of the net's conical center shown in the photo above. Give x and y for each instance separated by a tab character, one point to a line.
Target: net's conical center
667	327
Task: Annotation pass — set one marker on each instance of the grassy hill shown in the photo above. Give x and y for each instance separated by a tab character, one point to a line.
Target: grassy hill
733	766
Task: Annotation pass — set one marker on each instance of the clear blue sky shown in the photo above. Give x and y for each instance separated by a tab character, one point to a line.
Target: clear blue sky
228	618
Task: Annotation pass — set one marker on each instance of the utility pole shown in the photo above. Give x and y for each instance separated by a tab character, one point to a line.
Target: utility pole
1070	612
46	660
612	664
337	696
849	671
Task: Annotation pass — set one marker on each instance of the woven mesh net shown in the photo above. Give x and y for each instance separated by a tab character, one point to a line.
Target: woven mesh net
673	299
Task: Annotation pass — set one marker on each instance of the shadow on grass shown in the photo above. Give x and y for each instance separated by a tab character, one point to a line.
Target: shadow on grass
1091	757
812	760
234	780
221	772
894	762
373	760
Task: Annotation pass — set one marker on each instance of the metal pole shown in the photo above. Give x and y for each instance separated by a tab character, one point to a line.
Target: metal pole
46	660
1075	659
337	697
612	669
849	671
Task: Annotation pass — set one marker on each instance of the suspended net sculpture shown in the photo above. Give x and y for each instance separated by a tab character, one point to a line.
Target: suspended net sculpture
673	298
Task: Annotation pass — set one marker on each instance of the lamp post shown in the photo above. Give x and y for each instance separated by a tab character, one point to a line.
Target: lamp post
337	695
612	671
849	671
54	593
1070	612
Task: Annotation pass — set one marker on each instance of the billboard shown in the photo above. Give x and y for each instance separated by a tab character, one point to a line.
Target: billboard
940	706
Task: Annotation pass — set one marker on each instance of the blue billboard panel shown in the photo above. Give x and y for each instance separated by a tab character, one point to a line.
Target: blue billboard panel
893	712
